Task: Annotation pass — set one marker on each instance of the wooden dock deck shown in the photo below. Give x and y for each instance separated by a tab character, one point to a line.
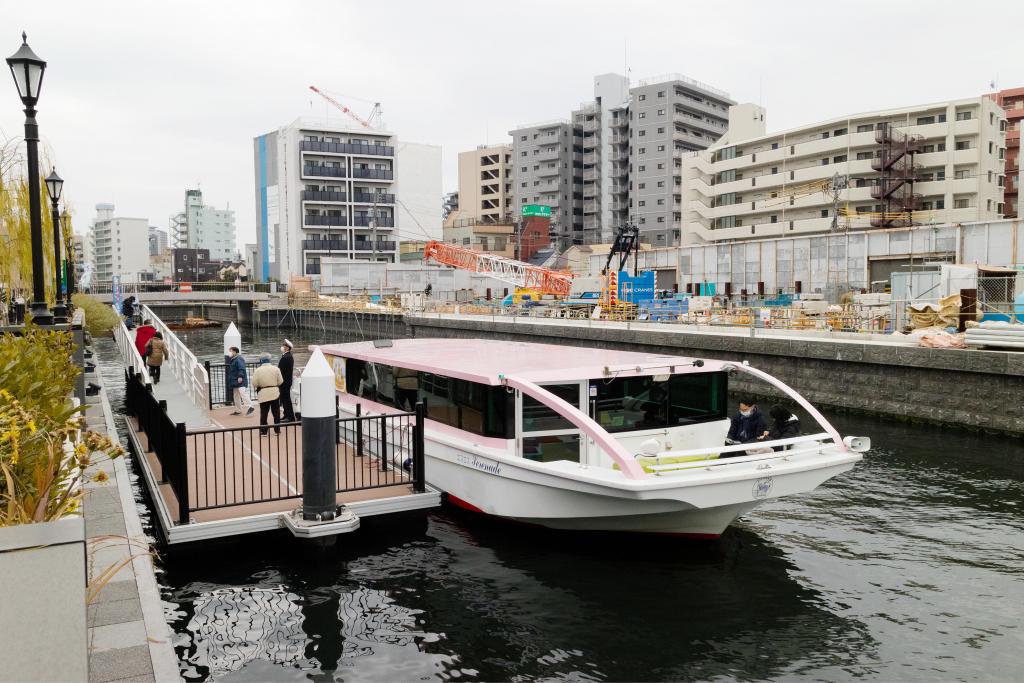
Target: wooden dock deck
212	474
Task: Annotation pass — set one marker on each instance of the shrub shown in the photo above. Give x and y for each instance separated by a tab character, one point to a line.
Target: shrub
100	318
44	446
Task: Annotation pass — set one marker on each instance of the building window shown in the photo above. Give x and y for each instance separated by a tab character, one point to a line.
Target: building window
661	166
774	219
642	150
940	174
661	130
963	144
641	168
661	148
963	116
991	146
642	97
661	93
642	133
522	138
961	204
641	203
988	205
839	131
861	156
642	115
522	154
661	219
925	120
775	145
839	159
661	202
641	186
661	112
940	147
865	128
661	183
940	203
824	162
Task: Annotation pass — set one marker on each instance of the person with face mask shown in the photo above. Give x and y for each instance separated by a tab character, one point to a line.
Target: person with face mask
748	424
286	365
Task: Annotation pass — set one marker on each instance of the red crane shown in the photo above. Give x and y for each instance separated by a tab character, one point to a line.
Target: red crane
544	280
342	107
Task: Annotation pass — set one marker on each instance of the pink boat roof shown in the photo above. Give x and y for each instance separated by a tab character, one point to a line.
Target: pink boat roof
484	360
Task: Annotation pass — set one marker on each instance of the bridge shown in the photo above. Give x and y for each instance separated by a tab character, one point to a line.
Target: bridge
226	292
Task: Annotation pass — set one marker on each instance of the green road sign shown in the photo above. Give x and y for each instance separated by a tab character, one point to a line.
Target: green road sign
537	210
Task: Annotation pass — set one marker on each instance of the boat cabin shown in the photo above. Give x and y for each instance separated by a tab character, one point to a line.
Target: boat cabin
463	384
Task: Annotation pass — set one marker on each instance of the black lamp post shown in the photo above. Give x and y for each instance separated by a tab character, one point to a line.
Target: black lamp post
27	69
54	185
69	250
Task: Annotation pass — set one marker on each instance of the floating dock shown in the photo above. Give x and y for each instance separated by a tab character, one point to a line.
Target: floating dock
213	474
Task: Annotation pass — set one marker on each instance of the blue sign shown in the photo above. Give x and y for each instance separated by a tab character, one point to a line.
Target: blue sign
115	290
637	289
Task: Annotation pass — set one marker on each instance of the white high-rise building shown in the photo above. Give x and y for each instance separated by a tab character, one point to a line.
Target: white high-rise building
927	164
119	246
201	226
326	188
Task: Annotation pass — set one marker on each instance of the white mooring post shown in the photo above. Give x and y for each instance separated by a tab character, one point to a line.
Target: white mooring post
318	439
232	337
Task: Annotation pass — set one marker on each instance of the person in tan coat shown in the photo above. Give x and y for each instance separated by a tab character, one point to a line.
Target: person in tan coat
267	381
156	352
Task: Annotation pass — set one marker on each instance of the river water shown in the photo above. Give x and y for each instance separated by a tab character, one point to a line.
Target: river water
910	567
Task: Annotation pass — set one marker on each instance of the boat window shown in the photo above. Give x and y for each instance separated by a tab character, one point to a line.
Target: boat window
538	417
478	408
552	447
636	403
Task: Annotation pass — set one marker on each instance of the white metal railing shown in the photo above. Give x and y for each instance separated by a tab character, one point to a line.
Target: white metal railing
126	345
189	371
801	445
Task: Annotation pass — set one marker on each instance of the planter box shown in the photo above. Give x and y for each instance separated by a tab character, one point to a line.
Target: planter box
43	619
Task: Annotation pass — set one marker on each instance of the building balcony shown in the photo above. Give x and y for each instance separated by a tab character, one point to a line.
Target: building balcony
591	125
366	245
328	221
368	198
591	207
590	223
382	222
590	174
591	158
320	171
325	245
547	154
548	171
322	196
373	173
347	148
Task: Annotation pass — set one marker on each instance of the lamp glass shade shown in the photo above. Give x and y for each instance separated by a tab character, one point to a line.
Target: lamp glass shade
54	185
27	69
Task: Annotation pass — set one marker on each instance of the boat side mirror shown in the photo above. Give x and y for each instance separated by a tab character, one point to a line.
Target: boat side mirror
858	444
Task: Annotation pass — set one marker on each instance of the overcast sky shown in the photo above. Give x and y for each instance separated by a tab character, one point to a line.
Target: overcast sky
142	100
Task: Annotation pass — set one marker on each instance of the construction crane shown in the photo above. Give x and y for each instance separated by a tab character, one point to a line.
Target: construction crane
518	273
363	122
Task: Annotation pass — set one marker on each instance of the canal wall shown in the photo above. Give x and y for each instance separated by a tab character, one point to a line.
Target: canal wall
346	324
969	388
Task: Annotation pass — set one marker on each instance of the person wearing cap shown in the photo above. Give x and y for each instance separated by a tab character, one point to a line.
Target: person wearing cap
287	367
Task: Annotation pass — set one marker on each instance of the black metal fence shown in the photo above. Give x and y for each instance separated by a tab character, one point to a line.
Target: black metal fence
163	437
217	468
218	384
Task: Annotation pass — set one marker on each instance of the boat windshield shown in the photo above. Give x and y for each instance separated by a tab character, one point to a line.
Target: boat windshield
627	404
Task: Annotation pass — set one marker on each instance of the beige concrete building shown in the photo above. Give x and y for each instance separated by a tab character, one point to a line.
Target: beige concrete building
933	163
472	233
485	184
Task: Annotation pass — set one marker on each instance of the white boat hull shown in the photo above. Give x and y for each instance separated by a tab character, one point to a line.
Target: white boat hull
489	483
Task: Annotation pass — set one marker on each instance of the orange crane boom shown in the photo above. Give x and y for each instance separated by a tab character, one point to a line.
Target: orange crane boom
341	106
544	280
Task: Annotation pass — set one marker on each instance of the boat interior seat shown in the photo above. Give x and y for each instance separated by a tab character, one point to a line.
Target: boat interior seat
648	463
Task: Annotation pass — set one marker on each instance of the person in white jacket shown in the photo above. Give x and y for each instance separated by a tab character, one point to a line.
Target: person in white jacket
267	381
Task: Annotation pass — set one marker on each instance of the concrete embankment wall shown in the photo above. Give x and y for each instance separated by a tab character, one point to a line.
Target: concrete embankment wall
347	325
177	312
975	389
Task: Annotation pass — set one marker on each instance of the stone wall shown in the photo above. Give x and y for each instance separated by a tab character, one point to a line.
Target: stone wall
976	389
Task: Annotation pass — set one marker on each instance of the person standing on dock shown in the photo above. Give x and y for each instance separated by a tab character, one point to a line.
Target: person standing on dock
287	367
267	382
238	380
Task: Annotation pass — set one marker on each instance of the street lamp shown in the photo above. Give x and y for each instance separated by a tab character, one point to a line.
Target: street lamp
54	185
69	251
27	69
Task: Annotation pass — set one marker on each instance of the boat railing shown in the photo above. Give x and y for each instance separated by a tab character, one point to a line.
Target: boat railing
190	373
756	451
126	345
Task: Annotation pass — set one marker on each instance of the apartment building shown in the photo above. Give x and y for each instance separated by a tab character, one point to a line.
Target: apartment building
201	226
542	175
324	188
1012	102
118	245
485	184
670	116
616	160
935	163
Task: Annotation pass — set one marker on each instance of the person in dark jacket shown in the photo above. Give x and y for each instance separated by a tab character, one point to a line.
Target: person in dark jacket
748	424
128	311
287	367
785	425
238	380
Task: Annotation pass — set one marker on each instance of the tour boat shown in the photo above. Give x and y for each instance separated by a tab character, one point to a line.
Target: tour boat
579	438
